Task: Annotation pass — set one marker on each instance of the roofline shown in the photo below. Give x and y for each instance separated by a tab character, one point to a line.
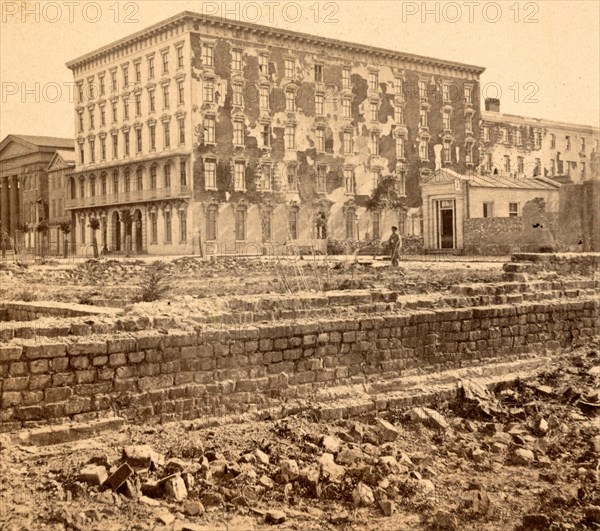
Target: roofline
499	117
258	28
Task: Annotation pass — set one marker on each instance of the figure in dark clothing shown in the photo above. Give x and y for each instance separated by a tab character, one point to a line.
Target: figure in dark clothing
394	246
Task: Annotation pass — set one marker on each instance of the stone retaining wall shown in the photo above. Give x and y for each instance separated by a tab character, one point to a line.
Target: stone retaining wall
27	311
148	375
585	264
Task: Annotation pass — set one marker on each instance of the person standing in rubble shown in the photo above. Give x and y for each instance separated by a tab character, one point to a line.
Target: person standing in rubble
394	246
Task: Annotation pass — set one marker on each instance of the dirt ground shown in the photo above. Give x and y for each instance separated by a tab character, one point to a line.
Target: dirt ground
525	457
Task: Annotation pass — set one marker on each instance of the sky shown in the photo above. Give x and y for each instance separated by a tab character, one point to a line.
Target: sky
541	58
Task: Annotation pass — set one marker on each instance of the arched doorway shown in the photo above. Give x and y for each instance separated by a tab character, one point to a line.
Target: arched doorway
116	232
137	230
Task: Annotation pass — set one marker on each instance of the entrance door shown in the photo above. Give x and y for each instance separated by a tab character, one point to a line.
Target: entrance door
445	224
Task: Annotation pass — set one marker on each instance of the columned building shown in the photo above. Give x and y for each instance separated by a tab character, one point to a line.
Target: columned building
203	133
24	187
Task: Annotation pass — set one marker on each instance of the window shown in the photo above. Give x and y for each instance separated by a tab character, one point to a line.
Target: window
319	73
504	135
374	145
538	139
209	130
373	110
182	226
399	86
91	116
582	145
209	91
92	186
376	222
289	68
349	180
346	78
211	223
82	230
102	87
180	92
292	177
115	182
507	163
165	96
153	178
167	175
103	148
238	133
402	184
166	134
374	81
518	137
290	101
424	149
552	167
266	225
290	137
80	115
265	177
113	81
236	60
348	142
321	178
568	142
346	107
263	64
154	227
102	115
183	174
265	134
181	123
81	187
488	210
103	184
583	170
468	95
125	77
92	150
520	165
552	141
264	97
447	151
423	90
165	62
115	146
180	57
486	133
150	67
138	72
138	104
91	88
152	135
138	139
168	227
210	174
80	92
446	120
114	111
469	152
400	148
423	117
399	114
238	98
513	210
293	224
81	154
207	55
125	109
320	139
469	123
240	225
319	101
239	176
446	92
139	179
126	141
350	222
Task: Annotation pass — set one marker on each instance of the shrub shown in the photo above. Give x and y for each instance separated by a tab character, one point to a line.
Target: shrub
155	282
26	296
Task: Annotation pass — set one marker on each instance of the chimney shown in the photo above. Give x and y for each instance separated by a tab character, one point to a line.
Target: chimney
492	104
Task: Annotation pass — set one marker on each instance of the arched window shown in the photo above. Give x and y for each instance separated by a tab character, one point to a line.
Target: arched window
103	185
139	179
167	175
153	177
73	187
127	180
92	186
81	186
115	182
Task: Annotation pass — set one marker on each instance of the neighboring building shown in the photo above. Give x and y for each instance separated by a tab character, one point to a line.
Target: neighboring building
521	147
24	184
476	211
204	132
59	172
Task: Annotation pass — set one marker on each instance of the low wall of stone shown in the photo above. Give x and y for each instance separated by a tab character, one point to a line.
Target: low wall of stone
30	311
183	375
584	264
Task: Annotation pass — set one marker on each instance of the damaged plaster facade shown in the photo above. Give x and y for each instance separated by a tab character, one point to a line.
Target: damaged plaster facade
203	134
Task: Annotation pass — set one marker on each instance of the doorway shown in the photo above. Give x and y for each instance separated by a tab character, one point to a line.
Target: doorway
446	224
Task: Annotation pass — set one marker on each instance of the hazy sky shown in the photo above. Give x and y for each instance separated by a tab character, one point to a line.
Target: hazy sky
543	56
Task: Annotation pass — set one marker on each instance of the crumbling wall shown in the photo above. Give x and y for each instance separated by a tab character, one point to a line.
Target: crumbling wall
583	264
189	374
491	236
579	218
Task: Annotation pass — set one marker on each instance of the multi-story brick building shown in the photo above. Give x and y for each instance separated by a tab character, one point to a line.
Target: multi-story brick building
24	190
521	147
202	132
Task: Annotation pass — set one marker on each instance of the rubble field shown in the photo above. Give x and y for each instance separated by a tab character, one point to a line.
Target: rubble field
524	456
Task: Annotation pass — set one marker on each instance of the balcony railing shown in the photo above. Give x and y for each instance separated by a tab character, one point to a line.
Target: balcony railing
137	196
